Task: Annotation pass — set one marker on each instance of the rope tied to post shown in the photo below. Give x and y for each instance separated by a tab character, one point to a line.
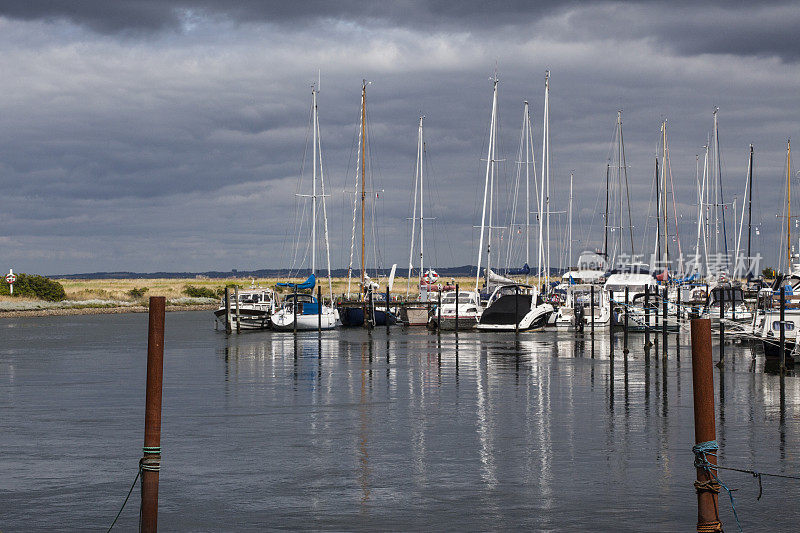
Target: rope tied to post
149	464
701	450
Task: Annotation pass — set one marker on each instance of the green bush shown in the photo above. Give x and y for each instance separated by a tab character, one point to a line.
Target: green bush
137	293
769	273
199	292
33	286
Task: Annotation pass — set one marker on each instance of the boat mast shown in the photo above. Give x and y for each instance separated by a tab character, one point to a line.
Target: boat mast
414	215
489	157
314	183
569	233
527	137
658	216
665	249
363	172
605	216
699	210
545	255
420	153
788	206
749	208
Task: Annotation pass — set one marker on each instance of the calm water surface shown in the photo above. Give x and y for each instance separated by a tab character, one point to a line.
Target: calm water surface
405	431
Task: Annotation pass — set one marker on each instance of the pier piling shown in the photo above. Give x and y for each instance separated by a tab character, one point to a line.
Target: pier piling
664	321
227	310
704	424
783	328
151	461
592	309
456	325
625	335
319	310
238	322
647	315
721	327
387	309
294	311
439	314
516	310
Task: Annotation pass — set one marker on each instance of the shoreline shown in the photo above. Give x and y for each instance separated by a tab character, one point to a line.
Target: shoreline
72	311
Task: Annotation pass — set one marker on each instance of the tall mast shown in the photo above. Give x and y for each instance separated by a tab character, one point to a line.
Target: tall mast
665	249
789	205
624	164
699	209
420	154
544	206
658	215
605	216
749	206
414	213
363	172
569	256
314	183
489	157
527	137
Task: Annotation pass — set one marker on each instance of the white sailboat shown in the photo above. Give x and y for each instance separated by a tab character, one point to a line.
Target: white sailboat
511	306
304	311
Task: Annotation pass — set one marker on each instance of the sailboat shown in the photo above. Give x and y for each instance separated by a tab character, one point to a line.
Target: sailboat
767	323
511	306
304	311
364	311
417	315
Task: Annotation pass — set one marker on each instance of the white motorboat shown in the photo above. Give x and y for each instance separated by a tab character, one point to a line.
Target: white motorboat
252	310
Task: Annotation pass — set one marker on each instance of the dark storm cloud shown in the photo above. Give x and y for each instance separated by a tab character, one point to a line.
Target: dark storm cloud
731	27
170	135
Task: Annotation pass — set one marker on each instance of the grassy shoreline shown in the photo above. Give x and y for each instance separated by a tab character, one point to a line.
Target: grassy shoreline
101	296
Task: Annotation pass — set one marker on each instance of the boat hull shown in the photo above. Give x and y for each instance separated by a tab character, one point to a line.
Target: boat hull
352	316
249	319
283	321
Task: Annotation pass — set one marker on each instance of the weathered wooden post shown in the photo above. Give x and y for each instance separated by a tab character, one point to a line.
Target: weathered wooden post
664	314
678	309
721	326
783	327
705	432
227	310
516	309
439	314
647	315
236	295
591	305
456	325
625	335
319	310
294	311
150	464
387	309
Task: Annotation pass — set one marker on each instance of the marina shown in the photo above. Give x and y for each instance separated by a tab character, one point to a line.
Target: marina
364	430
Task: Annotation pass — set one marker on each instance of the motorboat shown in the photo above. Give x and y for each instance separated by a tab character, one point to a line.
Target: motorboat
515	308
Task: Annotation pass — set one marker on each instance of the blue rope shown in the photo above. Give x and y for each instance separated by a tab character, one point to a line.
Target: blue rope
701	450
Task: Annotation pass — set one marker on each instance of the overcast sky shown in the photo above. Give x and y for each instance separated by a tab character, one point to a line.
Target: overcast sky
158	135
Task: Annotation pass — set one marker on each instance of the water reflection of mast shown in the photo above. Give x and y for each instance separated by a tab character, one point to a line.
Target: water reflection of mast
363	433
487	460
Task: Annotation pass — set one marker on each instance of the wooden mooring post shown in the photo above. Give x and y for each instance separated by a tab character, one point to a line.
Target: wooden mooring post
388	298
319	310
722	325
439	314
704	424
625	335
151	461
591	305
238	322
228	328
456	326
783	327
647	315
664	315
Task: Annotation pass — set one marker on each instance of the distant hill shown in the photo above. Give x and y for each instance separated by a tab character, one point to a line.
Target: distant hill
466	270
460	271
